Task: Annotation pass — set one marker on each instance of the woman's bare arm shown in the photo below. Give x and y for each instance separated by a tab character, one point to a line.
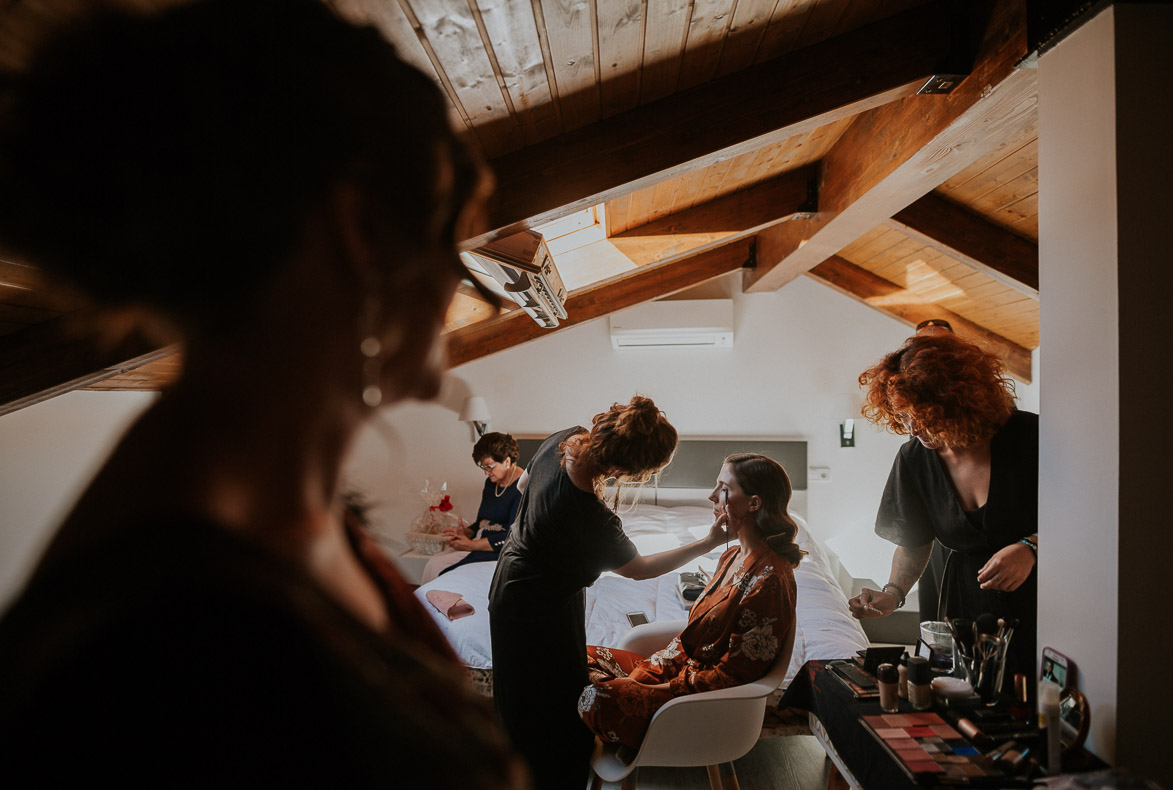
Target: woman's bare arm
907	566
652	565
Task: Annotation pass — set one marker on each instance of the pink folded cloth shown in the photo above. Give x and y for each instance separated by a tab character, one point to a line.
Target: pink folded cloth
451	605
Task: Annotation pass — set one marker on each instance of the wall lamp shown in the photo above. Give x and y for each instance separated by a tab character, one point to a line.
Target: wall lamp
847	433
476	413
848	404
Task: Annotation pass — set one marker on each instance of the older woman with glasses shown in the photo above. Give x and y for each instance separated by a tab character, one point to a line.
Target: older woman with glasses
967	479
496	455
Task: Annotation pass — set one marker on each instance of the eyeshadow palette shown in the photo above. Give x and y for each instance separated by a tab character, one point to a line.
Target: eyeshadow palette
934	753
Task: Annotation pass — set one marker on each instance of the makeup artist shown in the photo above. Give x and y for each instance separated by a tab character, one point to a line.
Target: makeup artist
967	478
564	538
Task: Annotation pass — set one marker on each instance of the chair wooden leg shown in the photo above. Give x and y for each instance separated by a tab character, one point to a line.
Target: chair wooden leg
723	777
629	781
729	777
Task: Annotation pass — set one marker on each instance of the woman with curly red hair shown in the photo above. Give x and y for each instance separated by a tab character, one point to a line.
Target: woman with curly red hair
967	480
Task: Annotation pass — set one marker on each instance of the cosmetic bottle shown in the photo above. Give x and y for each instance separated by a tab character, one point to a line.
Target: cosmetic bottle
1019	710
887	680
902	673
1049	723
920	675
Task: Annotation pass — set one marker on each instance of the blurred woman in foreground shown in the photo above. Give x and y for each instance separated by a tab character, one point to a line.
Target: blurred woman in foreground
276	189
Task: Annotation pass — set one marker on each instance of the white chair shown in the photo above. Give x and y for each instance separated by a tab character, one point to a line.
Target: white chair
711	728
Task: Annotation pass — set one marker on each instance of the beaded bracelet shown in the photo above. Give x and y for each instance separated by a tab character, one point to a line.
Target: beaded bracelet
897	591
1034	547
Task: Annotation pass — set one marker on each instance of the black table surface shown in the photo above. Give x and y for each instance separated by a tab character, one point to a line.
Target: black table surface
817	690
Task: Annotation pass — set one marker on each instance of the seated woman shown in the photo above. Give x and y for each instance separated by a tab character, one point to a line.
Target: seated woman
736	627
496	454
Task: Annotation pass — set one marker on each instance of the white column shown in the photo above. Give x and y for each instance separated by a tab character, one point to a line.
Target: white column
1106	276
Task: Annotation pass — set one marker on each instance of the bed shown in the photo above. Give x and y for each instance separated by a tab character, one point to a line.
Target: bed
824	629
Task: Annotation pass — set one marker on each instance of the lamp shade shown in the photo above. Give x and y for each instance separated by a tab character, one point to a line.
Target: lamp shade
474	410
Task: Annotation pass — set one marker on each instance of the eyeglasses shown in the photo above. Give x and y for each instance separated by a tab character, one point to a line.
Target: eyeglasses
486	468
941	322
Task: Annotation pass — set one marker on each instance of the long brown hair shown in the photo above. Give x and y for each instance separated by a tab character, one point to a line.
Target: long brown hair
765	478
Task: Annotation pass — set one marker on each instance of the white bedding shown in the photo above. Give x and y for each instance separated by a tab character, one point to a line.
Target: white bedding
825	629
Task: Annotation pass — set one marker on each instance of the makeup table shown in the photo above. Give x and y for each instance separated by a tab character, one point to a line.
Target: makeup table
872	749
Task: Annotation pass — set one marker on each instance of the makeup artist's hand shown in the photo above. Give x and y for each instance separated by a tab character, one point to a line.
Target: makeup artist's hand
1007	569
873	603
719	532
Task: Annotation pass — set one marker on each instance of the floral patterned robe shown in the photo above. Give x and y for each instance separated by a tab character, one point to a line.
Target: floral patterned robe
735	631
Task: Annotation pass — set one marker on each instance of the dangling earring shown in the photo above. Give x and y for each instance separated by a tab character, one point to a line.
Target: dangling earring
374	350
371	348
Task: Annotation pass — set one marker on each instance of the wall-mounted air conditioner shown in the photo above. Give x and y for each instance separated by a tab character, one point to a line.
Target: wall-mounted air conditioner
690	323
524	271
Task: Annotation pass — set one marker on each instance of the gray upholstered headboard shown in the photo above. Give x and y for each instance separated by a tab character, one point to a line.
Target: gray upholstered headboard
697	461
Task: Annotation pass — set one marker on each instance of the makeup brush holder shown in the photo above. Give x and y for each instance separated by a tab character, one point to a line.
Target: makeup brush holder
962	661
987	666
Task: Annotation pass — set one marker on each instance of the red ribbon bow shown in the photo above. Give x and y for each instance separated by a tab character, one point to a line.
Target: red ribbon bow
444	505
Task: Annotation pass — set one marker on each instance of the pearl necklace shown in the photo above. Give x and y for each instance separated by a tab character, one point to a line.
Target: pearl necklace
497	493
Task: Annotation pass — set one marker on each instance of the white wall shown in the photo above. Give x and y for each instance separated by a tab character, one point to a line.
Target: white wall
1105	107
48	452
797	352
1079	447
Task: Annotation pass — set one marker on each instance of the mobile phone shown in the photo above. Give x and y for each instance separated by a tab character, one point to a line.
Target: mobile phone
1057	667
939	661
637	618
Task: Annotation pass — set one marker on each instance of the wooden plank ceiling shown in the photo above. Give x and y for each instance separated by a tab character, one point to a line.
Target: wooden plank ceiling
661	143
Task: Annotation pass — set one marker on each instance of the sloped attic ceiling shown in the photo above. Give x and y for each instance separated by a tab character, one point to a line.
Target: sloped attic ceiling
887	150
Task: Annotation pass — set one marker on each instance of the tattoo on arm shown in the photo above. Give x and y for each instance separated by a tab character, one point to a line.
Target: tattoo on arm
908	564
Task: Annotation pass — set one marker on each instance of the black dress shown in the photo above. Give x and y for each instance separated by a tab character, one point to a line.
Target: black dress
920	504
178	654
563	539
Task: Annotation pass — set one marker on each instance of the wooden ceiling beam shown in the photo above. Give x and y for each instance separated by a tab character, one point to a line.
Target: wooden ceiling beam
764	104
594	301
57	356
469	307
959	233
905	306
720	220
892	156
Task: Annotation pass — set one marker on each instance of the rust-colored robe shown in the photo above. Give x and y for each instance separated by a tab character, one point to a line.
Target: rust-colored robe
734	633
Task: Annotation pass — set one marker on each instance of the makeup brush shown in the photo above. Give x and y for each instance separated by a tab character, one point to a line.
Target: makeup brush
986	624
